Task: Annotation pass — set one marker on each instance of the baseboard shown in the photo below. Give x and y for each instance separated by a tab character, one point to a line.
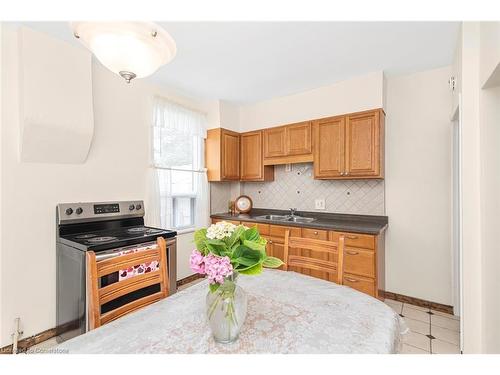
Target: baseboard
447	309
24	344
188	279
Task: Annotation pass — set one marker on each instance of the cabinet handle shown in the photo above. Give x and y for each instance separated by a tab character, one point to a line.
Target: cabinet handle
352	237
315	232
270	241
350	280
350	252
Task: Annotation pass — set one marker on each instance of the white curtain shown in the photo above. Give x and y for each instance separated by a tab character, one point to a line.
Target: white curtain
177	170
153	201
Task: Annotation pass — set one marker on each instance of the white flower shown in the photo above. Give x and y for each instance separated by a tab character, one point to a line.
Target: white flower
220	230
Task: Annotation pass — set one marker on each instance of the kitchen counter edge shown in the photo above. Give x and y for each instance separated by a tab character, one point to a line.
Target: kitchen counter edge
363	224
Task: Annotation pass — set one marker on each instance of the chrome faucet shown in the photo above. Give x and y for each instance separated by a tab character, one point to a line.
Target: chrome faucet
292	212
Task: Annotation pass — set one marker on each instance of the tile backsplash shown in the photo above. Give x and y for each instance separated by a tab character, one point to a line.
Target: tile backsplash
298	189
221	193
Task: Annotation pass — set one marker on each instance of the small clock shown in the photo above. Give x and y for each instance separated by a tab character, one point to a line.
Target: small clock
243	204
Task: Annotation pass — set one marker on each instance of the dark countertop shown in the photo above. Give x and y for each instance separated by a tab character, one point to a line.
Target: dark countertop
368	224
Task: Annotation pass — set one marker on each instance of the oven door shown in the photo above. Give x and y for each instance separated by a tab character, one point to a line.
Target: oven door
116	276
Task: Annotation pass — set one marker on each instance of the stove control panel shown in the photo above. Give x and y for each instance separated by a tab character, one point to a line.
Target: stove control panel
97	211
106	208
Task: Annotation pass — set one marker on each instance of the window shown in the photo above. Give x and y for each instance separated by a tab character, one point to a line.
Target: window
178	141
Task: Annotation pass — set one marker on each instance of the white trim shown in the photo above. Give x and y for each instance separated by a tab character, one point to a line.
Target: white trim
185	230
204	170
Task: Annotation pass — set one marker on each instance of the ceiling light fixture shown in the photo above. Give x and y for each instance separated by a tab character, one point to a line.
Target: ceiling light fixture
130	49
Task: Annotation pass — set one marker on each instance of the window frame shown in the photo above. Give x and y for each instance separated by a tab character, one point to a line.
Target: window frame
192	198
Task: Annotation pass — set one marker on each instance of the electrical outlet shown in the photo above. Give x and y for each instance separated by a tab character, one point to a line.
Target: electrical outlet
319	204
288	168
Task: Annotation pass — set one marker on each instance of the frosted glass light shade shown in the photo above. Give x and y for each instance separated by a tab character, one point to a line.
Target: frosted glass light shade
130	49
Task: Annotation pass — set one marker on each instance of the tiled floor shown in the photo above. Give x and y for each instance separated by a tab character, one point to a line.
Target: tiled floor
431	332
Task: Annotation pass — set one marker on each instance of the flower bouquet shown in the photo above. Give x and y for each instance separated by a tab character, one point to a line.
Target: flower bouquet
223	251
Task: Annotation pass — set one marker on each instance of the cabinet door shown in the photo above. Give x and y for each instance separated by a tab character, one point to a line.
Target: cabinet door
252	166
363	144
275	248
360	283
275	142
251	156
329	147
298	139
230	155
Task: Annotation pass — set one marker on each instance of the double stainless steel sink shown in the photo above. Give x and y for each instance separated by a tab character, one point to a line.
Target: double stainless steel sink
293	218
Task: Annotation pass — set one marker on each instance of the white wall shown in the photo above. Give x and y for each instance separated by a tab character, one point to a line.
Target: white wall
478	53
229	115
116	169
489	109
418	185
489	49
1	166
471	203
490	217
357	94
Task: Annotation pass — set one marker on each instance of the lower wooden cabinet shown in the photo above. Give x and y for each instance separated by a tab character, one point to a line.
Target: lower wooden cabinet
275	247
360	283
363	254
359	261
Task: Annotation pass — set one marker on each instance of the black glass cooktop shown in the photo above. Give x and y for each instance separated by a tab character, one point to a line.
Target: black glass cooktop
117	237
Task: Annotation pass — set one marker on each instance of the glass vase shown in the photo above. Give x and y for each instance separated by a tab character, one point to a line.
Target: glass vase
226	310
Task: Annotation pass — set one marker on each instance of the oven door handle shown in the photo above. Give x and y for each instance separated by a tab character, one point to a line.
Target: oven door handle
103	256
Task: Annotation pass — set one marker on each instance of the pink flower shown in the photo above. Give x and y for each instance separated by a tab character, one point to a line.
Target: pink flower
196	262
217	268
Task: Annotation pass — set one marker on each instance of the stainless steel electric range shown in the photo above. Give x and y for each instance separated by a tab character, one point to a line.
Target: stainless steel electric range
108	229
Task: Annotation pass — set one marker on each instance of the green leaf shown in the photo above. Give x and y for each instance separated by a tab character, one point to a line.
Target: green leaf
235	236
213	287
259	246
272	262
251	234
238	251
216	247
200	237
248	257
255	270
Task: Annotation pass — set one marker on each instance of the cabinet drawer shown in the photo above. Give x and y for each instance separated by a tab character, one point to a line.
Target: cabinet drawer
365	241
360	283
359	262
315	233
262	228
279	231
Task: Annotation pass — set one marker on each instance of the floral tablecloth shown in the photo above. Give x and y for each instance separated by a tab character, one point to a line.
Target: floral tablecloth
287	313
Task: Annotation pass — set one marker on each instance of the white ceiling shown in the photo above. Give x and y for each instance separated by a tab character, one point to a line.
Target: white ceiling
253	61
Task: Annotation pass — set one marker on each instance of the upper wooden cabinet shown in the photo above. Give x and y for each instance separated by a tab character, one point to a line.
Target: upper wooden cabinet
349	147
363	138
288	144
251	158
329	147
275	142
222	155
342	147
298	139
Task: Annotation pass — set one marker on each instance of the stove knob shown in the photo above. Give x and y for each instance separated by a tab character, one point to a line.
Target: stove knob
79	210
131	207
138	207
69	211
